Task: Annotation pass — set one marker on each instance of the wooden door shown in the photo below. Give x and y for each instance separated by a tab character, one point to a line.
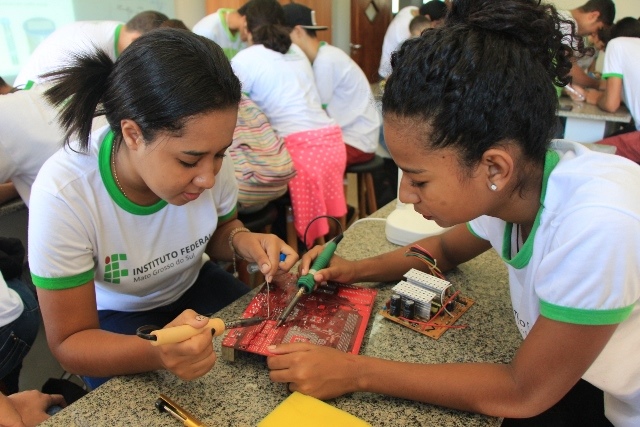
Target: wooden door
369	22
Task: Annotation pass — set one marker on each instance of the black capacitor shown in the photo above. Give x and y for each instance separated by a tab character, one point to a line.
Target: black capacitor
409	309
395	305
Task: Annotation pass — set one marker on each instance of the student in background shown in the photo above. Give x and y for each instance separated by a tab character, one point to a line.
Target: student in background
58	48
418	24
398	30
588	19
122	222
278	77
27	408
435	11
19	315
344	90
622	76
29	135
223	27
19	324
174	23
482	163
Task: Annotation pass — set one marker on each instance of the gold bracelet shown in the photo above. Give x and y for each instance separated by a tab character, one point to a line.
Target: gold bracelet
232	235
233	249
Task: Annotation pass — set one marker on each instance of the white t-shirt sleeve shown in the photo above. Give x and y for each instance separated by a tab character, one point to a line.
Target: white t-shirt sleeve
241	65
11	305
613	60
59	246
604	282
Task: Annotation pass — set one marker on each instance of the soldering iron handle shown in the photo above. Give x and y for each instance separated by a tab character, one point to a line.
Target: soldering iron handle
319	263
181	333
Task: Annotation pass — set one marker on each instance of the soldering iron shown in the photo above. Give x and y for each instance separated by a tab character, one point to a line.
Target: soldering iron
306	284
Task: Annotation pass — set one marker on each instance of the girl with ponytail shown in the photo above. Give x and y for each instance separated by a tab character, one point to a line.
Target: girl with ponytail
124	220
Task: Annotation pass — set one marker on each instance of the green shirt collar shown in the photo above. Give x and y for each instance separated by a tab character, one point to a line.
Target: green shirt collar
104	164
521	259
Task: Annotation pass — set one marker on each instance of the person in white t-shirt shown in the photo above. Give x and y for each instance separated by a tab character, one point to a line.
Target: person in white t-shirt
58	49
622	76
563	219
398	30
29	135
588	19
19	315
223	27
278	77
344	90
123	219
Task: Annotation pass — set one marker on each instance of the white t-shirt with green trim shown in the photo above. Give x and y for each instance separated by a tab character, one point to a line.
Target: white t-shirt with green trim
581	263
283	86
57	49
215	27
81	227
621	59
346	95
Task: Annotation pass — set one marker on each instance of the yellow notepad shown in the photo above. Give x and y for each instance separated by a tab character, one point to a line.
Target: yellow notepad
299	410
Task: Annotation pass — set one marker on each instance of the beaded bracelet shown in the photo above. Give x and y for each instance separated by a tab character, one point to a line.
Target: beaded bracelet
233	249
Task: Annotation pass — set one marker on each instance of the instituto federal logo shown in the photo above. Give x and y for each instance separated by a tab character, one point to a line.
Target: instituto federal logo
112	270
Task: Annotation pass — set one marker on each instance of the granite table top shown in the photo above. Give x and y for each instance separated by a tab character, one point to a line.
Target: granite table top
240	393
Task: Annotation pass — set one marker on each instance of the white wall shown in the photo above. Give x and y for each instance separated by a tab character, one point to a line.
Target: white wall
190	11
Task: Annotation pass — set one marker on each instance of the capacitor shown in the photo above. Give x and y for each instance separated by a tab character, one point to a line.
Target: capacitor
409	309
395	305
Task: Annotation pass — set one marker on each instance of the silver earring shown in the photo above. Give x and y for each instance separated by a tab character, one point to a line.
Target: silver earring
493	187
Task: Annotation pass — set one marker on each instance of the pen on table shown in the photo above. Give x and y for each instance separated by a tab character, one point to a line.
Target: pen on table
575	93
253	267
181	333
306	283
164	404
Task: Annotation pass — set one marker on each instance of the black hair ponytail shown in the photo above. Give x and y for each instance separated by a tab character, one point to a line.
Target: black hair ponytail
78	90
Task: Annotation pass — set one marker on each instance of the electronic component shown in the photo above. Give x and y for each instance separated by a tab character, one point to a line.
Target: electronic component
334	315
421	297
395	305
426	304
427	281
409	309
440	287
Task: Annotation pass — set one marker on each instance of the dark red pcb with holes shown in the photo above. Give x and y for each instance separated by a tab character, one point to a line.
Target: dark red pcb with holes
334	315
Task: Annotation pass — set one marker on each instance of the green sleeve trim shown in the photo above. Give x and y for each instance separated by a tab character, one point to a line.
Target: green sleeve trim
229	216
116	40
582	316
618	75
57	283
473	232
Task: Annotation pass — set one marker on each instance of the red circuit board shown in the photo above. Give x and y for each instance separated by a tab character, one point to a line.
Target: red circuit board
334	315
